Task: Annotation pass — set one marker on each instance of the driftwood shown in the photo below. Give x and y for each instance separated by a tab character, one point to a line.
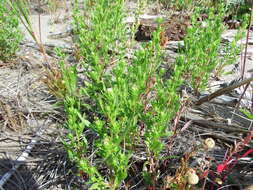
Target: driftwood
223	91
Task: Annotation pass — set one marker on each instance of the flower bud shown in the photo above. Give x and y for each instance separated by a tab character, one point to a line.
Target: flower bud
209	143
192	177
218	181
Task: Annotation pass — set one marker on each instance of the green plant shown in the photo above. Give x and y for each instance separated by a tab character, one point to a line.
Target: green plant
10	34
130	101
229	54
123	103
102	49
203	52
237	9
230	51
187	5
141	4
201	47
178	4
247	113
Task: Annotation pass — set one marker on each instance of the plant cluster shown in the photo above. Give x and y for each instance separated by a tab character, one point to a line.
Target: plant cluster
203	52
178	4
10	34
238	8
130	103
201	47
234	7
125	103
229	53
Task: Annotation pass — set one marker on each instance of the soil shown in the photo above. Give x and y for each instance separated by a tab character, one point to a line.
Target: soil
29	117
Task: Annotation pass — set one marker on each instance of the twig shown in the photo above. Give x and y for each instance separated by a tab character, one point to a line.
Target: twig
238	103
215	125
215	135
223	91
